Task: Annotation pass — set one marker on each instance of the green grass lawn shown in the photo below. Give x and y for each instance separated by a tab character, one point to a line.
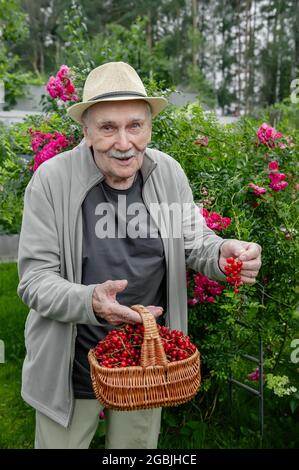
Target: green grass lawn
182	427
17	418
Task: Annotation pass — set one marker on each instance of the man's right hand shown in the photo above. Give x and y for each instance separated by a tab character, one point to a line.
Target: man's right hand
106	306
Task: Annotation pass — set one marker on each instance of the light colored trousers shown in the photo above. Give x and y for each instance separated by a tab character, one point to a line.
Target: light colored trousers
124	429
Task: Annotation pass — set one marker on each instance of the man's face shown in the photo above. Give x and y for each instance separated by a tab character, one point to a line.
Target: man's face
119	133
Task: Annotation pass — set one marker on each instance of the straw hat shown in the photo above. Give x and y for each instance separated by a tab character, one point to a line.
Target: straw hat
114	81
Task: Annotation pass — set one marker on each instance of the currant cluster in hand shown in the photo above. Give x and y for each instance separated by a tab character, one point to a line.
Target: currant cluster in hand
232	270
122	347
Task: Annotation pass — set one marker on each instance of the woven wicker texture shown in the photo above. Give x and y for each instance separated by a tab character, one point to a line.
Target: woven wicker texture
156	382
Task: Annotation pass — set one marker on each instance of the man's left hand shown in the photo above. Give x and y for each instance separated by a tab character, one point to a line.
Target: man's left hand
247	252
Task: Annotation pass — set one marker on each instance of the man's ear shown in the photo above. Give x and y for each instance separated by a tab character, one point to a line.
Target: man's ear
86	135
150	135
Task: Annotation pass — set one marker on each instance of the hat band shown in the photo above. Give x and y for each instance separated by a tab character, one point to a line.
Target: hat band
117	93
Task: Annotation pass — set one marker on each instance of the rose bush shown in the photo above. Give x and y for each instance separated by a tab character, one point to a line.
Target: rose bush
222	174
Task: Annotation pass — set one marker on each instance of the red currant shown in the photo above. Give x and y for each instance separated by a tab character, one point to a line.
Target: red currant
232	270
122	347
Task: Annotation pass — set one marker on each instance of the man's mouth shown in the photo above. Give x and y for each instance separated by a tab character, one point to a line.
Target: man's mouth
124	161
123	158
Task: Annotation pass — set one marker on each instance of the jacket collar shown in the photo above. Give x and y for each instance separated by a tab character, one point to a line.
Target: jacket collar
89	172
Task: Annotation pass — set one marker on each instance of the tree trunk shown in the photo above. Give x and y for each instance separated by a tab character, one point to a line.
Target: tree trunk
275	59
201	20
194	33
247	53
149	31
222	61
41	57
252	69
239	57
296	36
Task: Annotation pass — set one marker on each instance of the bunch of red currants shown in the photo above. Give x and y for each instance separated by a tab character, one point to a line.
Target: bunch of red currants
232	270
122	347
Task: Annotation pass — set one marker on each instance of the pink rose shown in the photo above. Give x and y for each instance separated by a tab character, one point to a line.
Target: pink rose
254	376
273	166
257	190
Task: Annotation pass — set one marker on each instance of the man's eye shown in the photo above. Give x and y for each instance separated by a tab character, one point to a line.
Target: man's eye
107	128
135	125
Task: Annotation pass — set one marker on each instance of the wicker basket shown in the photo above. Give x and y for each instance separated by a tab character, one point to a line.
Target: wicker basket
155	383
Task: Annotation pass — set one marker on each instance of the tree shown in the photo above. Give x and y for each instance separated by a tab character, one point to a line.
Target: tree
279	53
44	44
246	52
13	30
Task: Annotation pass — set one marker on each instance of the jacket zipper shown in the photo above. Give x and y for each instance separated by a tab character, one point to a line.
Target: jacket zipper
74	331
164	246
74	328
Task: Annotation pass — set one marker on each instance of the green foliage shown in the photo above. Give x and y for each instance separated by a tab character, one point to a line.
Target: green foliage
206	94
129	45
14	177
14	81
13	30
220	424
284	114
280	385
74	34
15	169
13	22
247	52
219	175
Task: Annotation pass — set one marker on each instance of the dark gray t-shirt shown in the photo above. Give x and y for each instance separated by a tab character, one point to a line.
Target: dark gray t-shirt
117	245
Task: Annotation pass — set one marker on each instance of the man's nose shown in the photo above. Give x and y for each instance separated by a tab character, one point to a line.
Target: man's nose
123	141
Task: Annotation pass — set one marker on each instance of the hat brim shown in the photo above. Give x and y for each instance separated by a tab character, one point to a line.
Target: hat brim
157	104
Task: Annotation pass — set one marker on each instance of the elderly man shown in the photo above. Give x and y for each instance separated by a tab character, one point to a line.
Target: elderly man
81	269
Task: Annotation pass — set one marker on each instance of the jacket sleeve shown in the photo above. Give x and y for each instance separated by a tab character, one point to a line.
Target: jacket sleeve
41	286
202	245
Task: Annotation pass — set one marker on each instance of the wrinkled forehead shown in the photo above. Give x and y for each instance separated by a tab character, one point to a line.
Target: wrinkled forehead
117	110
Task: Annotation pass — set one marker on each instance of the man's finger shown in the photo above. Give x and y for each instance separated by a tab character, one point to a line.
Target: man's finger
253	265
156	311
248	280
252	252
113	287
125	314
249	274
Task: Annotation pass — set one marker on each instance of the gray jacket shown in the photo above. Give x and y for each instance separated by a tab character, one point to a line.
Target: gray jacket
50	265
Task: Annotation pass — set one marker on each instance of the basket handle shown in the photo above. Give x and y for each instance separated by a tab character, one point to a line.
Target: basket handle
152	351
